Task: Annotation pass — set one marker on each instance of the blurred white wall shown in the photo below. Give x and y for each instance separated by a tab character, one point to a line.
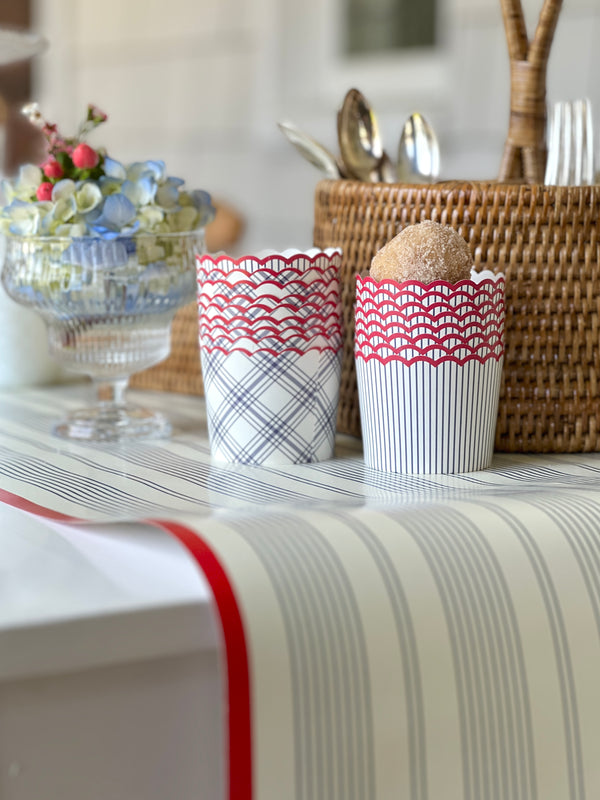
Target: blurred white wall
202	83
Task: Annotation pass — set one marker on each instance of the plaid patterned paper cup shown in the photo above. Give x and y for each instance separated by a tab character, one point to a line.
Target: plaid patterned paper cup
271	408
429	364
270	332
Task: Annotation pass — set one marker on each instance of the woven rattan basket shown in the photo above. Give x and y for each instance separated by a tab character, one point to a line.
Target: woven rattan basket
180	372
545	240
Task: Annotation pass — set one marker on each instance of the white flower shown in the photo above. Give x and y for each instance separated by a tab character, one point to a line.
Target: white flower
77	229
63	189
25	218
25	185
167	195
150	217
184	219
88	196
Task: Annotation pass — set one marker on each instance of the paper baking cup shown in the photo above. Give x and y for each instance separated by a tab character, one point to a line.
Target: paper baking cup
429	365
270	333
271	408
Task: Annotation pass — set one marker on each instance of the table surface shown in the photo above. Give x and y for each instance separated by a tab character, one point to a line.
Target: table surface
59	579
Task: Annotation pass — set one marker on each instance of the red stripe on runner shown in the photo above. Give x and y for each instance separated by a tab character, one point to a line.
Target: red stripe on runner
33	508
236	653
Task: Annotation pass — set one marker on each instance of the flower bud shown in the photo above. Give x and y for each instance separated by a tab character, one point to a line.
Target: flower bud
52	169
44	191
85	157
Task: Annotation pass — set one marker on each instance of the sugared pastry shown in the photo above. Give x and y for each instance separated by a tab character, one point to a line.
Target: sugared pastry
424	252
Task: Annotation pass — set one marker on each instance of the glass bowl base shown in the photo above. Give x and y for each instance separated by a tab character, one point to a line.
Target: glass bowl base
113	424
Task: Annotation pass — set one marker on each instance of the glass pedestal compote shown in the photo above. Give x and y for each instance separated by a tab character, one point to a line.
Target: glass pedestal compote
108	306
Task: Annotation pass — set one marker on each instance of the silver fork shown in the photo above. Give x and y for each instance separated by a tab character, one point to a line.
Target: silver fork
570	159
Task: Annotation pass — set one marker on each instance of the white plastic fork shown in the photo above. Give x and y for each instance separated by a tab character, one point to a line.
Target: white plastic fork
570	159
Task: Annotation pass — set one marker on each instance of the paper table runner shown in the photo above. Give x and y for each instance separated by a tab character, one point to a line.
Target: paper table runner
386	636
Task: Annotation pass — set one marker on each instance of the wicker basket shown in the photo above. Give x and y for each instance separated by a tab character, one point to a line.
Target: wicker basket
545	240
180	372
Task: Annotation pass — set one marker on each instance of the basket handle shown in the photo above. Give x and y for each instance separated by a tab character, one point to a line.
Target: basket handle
524	154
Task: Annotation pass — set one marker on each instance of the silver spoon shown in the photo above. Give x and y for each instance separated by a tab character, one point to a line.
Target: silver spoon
314	152
360	142
418	152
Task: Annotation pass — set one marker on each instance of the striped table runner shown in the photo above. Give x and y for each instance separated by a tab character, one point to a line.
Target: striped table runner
422	637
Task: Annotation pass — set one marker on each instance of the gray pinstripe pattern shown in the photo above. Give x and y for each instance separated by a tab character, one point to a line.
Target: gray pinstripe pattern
415	721
458	404
577	524
564	667
333	725
490	676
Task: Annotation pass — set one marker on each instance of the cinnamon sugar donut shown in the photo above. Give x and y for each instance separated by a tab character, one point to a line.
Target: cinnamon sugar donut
424	252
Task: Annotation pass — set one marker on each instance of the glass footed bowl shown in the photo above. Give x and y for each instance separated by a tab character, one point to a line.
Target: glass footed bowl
108	306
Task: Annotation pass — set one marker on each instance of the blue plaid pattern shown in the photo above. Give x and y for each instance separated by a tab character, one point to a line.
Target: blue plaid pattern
271	408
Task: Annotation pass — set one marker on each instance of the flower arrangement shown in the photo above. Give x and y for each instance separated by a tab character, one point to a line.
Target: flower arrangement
79	191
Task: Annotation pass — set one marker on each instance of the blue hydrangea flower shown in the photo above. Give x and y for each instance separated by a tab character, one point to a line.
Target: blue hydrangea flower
117	217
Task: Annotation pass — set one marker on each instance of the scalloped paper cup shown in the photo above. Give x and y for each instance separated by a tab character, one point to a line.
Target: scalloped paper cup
270	333
429	364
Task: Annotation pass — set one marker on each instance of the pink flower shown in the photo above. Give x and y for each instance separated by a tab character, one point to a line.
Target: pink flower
52	169
85	157
44	191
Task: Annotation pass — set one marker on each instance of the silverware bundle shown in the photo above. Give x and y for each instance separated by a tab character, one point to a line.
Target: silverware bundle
570	160
362	156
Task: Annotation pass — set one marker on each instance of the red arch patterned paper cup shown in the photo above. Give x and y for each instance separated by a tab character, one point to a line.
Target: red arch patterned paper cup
429	363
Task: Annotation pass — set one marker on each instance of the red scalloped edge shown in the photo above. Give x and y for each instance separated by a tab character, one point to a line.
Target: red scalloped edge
270	351
377	328
267	333
287	324
332	317
329	283
205	257
434	362
430	301
293	301
212	271
390	318
484	346
367	281
409	342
